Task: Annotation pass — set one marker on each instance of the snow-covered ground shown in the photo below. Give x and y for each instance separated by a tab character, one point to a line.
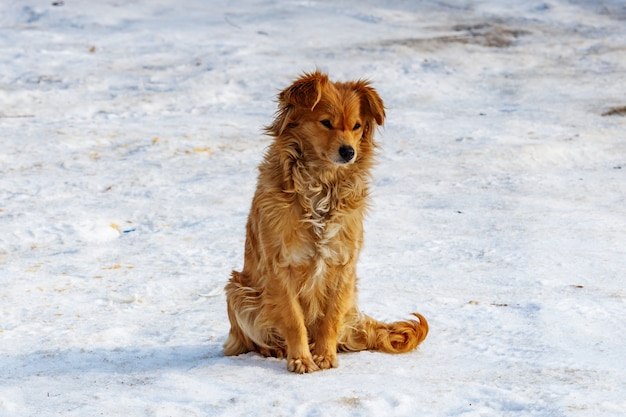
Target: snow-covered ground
130	132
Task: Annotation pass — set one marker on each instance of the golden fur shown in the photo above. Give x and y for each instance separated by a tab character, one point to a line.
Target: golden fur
296	295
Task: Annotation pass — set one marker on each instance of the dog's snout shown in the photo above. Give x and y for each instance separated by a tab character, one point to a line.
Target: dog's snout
346	152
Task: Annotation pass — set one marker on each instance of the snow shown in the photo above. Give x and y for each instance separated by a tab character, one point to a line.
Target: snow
130	135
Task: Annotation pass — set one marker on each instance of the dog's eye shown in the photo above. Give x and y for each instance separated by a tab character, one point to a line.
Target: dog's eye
327	123
356	126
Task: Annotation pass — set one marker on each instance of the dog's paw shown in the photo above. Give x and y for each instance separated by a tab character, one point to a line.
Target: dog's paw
302	365
326	361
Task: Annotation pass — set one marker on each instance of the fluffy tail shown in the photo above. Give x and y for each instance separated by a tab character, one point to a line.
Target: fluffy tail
367	333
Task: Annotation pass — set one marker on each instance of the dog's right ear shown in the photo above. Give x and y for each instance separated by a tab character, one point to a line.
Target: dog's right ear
306	91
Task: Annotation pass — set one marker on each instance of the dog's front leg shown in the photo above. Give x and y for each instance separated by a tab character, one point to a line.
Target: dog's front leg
325	350
289	319
325	343
299	359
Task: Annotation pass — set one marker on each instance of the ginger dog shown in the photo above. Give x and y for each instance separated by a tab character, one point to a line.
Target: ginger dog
296	295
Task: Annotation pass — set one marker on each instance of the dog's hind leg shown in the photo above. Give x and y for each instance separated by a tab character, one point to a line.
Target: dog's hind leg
249	331
241	306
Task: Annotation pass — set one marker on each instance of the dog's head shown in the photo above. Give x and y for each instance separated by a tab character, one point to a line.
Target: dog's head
333	121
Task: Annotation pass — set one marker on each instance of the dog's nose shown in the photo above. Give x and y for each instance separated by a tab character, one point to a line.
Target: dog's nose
346	152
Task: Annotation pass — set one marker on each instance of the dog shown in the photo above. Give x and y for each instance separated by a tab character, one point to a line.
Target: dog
296	295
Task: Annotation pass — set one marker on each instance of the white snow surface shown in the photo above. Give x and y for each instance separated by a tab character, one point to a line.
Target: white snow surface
130	135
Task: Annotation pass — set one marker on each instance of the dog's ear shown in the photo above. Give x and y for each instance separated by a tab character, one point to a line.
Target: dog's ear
306	91
371	103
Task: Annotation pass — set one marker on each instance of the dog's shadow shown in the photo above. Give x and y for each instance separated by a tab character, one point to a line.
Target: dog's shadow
128	360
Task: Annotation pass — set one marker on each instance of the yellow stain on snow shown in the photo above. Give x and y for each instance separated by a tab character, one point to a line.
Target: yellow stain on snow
205	149
116	266
34	268
198	149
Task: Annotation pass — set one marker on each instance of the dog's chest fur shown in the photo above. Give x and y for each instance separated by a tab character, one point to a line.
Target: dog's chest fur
334	236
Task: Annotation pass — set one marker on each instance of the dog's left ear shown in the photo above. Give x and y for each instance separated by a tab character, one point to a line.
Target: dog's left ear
371	103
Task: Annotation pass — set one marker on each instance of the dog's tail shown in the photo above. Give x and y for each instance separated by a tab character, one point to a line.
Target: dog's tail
366	333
